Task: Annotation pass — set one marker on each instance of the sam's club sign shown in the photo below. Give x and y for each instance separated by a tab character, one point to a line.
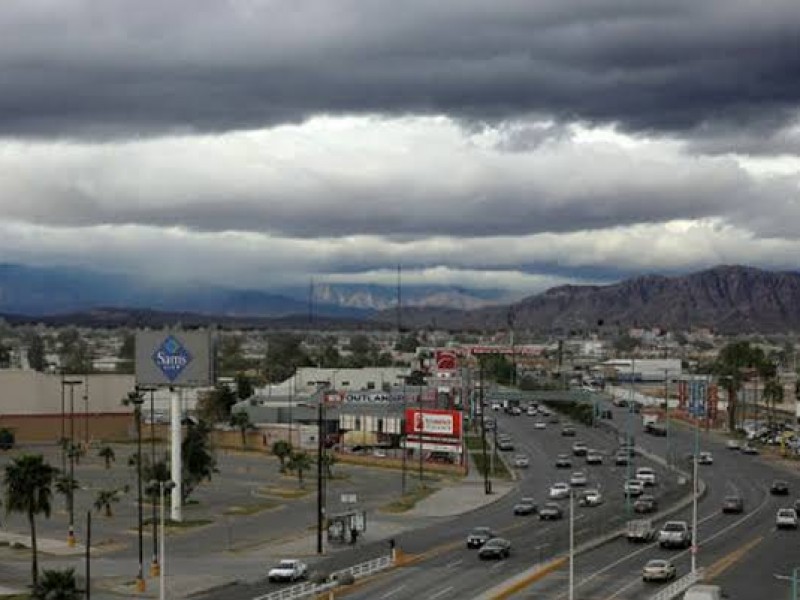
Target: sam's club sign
174	357
171	357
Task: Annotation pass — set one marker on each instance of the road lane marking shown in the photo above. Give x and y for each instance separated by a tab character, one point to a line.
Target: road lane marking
674	557
727	561
440	593
499	565
455	563
391	593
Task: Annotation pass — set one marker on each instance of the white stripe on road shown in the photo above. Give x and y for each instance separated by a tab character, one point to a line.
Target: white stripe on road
498	565
455	563
442	592
391	593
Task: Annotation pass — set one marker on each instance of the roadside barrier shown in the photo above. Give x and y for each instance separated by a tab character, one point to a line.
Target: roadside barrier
337	578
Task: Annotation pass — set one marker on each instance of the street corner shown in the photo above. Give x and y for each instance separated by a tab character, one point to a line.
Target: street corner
125	586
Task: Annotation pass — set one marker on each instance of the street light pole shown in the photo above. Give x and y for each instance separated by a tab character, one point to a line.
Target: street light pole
86	412
320	505
419	402
135	398
629	434
571	544
404	437
163	486
487	485
154	566
71	451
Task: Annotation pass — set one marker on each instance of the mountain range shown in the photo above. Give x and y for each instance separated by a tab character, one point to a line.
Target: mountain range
41	291
728	299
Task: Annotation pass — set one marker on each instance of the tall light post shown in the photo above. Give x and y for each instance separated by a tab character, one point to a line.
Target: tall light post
71	451
154	567
629	433
320	500
86	412
487	484
63	440
571	544
163	487
135	398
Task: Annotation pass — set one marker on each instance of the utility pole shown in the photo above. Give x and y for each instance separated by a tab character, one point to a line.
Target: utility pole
320	503
86	413
629	433
420	432
571	544
71	451
404	437
399	304
487	484
666	417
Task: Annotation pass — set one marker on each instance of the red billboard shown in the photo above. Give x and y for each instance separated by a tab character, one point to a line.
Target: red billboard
446	360
433	422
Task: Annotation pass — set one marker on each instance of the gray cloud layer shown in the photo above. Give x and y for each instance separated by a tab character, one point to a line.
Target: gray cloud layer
115	67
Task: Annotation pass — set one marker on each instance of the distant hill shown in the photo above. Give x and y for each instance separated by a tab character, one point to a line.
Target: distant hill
42	291
729	299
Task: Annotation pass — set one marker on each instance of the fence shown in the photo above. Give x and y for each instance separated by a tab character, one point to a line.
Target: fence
677	587
304	590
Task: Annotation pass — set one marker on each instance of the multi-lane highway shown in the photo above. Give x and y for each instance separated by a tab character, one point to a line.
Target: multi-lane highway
740	552
447	569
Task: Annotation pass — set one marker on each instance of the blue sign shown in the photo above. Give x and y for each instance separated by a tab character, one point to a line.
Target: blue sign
171	358
697	398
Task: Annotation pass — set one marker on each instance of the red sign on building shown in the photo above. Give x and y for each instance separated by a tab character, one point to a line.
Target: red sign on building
446	360
433	423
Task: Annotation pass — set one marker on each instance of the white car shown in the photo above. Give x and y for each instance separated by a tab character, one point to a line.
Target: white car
559	490
591	498
658	570
705	458
532	411
521	461
288	569
733	445
786	518
540	425
578	478
633	487
646	475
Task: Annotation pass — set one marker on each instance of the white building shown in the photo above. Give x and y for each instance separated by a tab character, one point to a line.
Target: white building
644	369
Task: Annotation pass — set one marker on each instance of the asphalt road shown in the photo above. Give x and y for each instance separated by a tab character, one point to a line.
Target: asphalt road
741	552
450	570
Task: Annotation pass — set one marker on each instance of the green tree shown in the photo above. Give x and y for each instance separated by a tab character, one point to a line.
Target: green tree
244	386
773	394
107	454
407	343
28	483
328	460
299	462
285	352
283	450
231	357
63	487
36	353
127	354
215	406
104	499
328	356
241	421
625	344
199	462
74	352
57	584
5	356
734	364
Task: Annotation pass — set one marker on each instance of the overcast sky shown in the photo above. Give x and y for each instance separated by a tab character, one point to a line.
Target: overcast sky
517	145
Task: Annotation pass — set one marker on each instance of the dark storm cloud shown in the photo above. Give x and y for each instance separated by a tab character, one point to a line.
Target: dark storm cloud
116	67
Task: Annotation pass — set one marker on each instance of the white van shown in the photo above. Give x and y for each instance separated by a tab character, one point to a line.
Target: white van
704	592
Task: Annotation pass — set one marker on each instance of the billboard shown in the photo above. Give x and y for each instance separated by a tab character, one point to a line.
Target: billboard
446	360
434	423
172	357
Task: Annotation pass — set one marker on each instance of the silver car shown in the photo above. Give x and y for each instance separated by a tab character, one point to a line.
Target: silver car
658	570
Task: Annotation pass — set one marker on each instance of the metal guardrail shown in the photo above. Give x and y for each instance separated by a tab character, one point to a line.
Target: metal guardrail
678	587
304	590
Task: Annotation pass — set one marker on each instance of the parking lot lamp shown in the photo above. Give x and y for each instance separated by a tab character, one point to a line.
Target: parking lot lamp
163	487
71	451
154	567
135	398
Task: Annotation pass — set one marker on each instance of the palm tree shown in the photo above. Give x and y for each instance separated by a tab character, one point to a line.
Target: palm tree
107	454
28	481
328	460
283	450
57	585
773	394
62	484
299	461
241	420
104	499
